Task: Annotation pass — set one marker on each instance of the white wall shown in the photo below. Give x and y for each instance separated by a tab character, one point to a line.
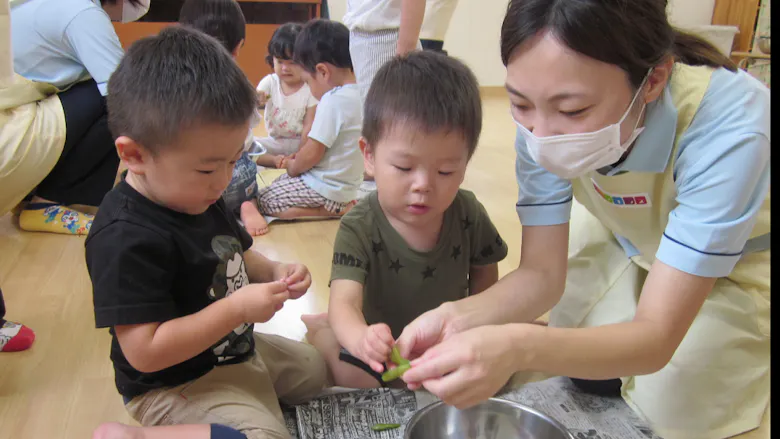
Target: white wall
473	35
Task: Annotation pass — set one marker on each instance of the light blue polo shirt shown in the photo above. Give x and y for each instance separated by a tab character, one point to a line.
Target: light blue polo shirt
62	42
721	173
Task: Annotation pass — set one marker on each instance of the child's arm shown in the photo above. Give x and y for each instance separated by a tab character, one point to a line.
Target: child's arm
309	155
412	13
261	269
481	277
151	347
371	344
308	119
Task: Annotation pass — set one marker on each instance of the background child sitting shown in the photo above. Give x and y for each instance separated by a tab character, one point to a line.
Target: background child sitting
224	20
418	240
172	272
323	176
289	104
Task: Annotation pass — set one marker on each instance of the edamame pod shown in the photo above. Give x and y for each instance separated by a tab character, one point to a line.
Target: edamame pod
395	373
383	427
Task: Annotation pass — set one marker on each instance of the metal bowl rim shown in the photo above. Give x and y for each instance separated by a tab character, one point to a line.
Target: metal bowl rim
423	411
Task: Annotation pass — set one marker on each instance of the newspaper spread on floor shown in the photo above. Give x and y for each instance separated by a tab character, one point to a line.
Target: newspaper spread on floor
350	414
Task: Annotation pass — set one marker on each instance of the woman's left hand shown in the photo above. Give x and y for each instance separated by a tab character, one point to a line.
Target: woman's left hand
296	276
469	367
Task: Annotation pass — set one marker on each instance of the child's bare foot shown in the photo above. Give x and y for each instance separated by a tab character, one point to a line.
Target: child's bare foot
315	322
347	208
115	430
253	220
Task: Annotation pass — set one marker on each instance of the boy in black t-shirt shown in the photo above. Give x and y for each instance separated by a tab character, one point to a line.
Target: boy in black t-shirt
172	272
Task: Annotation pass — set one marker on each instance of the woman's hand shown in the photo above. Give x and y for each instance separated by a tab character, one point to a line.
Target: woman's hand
426	331
468	367
296	276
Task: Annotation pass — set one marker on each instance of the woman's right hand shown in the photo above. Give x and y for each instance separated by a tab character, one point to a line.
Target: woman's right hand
426	331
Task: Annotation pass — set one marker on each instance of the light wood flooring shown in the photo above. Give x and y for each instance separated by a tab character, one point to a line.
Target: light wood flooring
64	386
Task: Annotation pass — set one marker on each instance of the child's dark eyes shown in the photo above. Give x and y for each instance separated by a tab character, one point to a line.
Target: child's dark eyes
445	173
402	169
205	172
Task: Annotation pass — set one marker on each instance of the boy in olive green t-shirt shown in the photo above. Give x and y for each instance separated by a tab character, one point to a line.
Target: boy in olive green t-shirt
419	240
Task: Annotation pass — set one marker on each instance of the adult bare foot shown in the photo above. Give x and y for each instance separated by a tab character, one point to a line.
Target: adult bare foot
253	220
115	430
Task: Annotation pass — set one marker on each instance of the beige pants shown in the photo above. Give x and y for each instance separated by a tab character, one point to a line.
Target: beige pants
243	396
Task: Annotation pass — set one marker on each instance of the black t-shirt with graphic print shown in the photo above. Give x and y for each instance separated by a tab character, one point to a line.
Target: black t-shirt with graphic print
152	264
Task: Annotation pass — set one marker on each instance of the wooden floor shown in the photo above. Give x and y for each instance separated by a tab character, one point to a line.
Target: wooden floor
64	386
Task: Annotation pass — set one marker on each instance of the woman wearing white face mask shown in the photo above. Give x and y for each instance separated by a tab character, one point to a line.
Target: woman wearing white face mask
55	147
662	293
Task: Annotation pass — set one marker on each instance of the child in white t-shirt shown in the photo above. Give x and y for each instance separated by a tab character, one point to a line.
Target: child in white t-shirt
289	104
323	177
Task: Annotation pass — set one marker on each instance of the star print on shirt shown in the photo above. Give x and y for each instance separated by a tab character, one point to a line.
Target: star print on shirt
455	252
377	247
466	223
487	251
396	265
428	272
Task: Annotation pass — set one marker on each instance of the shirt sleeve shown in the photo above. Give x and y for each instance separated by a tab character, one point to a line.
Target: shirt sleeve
350	257
544	199
311	101
131	284
327	122
92	37
266	85
722	178
487	246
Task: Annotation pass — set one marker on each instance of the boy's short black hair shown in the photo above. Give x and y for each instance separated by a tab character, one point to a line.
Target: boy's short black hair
322	41
222	19
282	44
172	81
425	90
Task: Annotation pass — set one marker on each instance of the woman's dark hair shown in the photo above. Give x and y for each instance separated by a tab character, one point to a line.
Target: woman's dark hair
634	35
282	44
221	19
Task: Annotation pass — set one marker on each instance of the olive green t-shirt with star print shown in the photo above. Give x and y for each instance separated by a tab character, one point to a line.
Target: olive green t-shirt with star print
401	283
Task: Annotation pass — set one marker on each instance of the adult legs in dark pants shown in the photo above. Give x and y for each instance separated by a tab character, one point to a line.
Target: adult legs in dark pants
14	337
85	171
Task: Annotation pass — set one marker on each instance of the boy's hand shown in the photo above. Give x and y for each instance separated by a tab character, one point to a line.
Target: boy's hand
262	98
375	347
257	303
295	276
279	161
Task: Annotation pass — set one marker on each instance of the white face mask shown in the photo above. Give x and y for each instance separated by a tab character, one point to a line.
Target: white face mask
131	12
574	155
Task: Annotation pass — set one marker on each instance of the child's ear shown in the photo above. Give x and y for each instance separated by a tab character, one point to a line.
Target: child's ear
135	156
322	69
368	156
237	49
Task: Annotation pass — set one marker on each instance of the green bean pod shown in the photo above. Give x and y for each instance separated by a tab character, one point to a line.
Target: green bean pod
395	357
395	373
383	427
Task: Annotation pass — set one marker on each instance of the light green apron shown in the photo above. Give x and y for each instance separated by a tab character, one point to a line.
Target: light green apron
32	126
717	383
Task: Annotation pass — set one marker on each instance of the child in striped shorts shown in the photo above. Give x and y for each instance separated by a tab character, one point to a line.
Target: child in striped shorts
323	177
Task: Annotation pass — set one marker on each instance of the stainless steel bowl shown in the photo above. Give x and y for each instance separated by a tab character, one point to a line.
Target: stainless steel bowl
493	419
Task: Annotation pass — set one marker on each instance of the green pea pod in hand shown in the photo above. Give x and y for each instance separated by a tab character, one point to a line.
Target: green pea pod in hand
396	357
383	427
395	373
